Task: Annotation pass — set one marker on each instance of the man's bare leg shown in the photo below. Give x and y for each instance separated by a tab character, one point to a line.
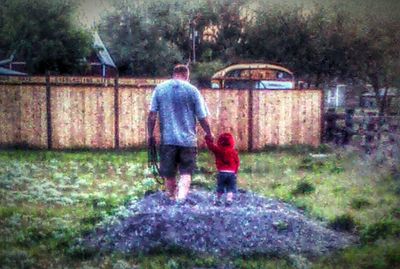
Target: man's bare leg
229	196
183	187
170	186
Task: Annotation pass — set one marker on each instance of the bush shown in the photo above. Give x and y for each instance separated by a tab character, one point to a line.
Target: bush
16	259
303	187
343	222
358	203
324	148
319	165
300	204
311	164
202	72
382	254
392	256
381	229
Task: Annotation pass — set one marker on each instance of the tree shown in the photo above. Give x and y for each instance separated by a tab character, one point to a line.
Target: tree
229	18
139	37
323	44
313	43
319	42
43	33
146	37
376	58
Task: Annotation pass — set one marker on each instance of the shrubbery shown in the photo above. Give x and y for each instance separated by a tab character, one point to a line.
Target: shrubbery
343	222
303	187
380	230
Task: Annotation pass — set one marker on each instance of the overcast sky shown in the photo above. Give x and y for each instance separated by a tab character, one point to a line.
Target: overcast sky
91	10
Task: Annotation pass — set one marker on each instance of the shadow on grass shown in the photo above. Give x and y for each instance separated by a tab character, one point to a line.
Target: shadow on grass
298	149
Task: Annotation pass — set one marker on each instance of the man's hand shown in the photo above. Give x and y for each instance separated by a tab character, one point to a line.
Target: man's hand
206	127
209	137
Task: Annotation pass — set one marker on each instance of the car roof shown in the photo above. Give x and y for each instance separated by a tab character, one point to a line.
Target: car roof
223	72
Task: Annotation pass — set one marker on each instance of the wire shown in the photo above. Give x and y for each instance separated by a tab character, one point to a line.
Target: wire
152	158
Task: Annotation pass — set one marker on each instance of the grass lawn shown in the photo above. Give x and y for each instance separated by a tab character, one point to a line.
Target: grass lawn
48	200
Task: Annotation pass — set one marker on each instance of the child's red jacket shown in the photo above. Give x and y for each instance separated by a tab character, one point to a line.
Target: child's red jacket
226	157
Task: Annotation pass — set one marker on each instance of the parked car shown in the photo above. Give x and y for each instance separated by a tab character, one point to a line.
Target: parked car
253	75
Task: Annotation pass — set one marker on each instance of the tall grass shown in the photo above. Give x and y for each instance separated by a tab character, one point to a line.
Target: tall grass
48	200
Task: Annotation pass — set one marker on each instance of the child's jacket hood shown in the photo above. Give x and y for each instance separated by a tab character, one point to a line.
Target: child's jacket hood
226	140
226	157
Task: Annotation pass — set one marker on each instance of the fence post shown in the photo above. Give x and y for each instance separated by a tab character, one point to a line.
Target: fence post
116	111
250	120
322	128
48	111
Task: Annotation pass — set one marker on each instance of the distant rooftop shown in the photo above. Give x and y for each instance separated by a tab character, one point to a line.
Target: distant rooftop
8	72
102	52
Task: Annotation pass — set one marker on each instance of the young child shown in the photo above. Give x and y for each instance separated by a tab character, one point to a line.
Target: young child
227	161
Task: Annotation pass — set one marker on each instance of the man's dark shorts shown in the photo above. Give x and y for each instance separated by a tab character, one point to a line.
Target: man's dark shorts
173	158
226	181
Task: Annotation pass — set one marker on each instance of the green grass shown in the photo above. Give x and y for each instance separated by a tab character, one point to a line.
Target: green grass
48	200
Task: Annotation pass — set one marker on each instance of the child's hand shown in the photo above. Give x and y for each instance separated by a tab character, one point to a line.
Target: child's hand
208	138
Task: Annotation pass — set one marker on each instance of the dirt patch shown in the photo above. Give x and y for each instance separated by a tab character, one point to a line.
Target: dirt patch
251	225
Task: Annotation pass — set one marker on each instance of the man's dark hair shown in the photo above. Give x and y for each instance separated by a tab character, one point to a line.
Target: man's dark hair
181	69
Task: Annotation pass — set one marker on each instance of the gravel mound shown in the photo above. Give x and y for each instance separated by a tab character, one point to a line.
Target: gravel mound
252	224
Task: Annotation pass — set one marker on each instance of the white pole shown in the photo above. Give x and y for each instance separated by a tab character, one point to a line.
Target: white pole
337	96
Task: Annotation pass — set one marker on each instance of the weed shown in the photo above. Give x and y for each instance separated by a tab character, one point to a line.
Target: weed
392	256
281	226
343	222
359	203
395	213
303	187
273	185
16	258
379	230
257	261
206	262
383	254
296	149
203	181
121	264
331	166
310	164
301	204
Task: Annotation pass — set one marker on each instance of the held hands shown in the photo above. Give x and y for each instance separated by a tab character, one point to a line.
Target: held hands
209	137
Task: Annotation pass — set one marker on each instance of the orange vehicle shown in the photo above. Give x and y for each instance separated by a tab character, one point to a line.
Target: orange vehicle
260	76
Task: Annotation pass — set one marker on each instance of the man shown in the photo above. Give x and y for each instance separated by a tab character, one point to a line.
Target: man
178	104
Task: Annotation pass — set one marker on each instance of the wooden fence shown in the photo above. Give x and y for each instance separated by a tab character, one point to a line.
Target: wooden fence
97	113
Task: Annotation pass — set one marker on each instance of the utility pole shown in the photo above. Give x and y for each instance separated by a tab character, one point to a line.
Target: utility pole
193	36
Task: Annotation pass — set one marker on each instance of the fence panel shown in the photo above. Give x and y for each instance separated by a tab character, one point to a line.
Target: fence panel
228	113
286	118
23	116
82	117
134	106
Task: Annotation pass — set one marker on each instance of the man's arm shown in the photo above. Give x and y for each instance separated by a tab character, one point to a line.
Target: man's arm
151	123
206	127
211	146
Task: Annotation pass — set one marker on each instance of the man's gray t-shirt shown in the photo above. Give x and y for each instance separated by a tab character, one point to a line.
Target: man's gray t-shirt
178	103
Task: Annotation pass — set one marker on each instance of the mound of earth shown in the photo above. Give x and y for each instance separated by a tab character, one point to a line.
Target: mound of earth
252	224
